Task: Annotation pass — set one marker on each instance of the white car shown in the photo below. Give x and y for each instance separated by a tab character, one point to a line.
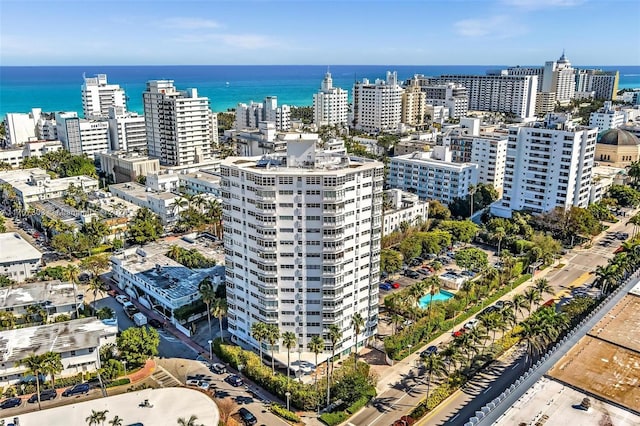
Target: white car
198	383
471	324
122	299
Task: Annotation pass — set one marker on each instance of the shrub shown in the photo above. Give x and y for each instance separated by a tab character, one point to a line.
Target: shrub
119	382
332	419
279	410
353	408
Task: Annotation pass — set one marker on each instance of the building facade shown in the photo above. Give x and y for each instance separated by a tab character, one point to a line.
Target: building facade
414	104
178	124
123	167
98	96
80	136
377	107
606	118
604	84
330	105
302	244
249	116
128	132
402	207
559	77
20	260
432	175
31	185
549	164
15	156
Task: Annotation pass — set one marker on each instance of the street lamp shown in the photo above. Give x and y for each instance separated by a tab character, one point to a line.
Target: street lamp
124	364
210	349
288	395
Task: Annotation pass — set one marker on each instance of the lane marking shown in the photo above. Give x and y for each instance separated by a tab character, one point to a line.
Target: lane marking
487	390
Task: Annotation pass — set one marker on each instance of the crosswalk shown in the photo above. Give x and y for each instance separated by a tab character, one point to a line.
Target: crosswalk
163	378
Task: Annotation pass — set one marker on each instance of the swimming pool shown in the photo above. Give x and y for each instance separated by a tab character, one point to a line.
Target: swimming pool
439	297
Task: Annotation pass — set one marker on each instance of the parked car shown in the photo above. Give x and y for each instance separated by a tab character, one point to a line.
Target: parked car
395	285
218	368
488	310
471	324
459	332
429	351
45	395
411	274
80	389
10	403
247	417
155	323
122	299
423	271
127	304
385	286
234	380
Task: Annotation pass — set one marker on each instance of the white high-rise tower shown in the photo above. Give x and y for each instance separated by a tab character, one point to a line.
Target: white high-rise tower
330	104
98	96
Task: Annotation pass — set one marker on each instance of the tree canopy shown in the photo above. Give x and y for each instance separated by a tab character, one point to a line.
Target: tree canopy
471	258
462	231
137	344
145	227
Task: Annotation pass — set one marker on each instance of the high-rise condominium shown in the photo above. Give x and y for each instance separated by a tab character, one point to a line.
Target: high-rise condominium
330	104
98	96
178	124
302	243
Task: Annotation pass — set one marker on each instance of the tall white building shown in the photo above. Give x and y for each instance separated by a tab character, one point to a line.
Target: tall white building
178	124
606	118
514	94
377	107
21	128
80	136
128	132
432	175
549	164
414	105
559	78
302	243
98	96
330	105
249	116
603	83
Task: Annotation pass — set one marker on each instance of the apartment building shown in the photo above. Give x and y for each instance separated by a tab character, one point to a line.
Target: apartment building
20	260
432	175
128	132
604	84
302	237
80	136
402	207
607	118
15	156
559	77
414	104
178	124
549	164
330	105
123	167
248	116
31	185
377	107
98	96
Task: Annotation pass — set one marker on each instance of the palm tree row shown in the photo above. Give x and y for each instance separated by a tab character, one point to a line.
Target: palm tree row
49	363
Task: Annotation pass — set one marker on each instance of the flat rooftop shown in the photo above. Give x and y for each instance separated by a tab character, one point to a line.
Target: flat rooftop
65	336
168	404
49	293
621	325
16	250
603	369
551	403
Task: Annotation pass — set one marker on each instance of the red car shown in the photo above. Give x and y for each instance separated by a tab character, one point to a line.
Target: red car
395	285
459	332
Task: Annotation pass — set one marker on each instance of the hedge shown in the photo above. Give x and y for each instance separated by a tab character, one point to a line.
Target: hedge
353	408
119	382
332	419
284	413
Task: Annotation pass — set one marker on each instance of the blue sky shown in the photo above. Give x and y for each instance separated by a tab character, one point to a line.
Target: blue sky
221	32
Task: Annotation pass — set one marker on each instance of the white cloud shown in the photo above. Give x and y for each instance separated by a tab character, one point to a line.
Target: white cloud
191	23
499	26
542	4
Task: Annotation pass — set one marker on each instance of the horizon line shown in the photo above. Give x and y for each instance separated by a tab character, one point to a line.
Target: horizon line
300	65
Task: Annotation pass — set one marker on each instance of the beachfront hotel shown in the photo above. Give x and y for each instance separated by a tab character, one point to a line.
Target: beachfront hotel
330	105
98	96
377	107
302	233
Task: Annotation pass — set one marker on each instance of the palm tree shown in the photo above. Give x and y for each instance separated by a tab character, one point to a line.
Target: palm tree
316	345
434	364
289	341
499	234
335	335
51	365
358	323
519	303
71	273
533	297
178	204
434	285
95	286
396	319
273	334
259	332
530	334
34	364
215	212
450	352
543	286
607	276
491	321
635	221
97	417
472	190
116	421
208	295
188	422
219	311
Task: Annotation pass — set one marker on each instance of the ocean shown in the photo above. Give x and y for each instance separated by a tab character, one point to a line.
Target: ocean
58	88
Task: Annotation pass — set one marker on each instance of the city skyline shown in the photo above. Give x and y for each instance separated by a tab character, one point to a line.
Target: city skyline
308	32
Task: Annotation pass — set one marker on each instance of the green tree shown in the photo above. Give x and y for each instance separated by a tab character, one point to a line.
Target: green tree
316	345
358	323
289	341
439	211
390	260
471	258
463	231
625	196
532	296
145	227
95	231
105	313
65	244
35	365
273	334
51	365
208	295
137	344
542	286
71	273
411	247
219	311
434	364
95	286
259	332
335	335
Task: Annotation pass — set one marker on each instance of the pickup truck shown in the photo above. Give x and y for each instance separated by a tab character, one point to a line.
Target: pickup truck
139	319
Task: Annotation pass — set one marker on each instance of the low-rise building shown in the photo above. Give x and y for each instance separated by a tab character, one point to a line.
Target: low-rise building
603	178
617	147
421	141
19	260
159	202
402	207
78	342
120	166
432	175
606	118
16	155
55	297
162	284
35	184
